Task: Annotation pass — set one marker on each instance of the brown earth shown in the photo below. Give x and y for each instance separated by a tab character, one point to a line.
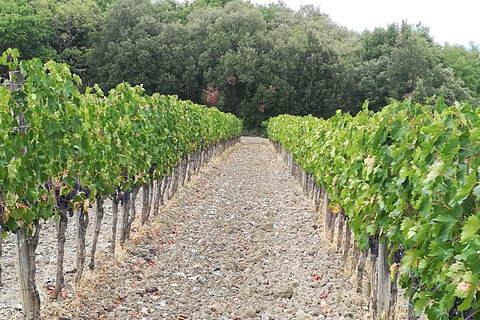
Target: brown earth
240	241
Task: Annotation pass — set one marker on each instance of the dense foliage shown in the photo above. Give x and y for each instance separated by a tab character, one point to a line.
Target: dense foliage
107	142
261	61
409	175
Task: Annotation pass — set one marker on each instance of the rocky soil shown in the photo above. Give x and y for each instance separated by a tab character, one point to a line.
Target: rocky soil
240	241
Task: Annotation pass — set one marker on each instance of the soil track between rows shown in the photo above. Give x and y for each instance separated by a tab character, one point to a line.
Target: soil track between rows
240	241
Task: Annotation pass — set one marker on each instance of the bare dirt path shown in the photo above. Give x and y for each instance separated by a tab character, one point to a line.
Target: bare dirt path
238	242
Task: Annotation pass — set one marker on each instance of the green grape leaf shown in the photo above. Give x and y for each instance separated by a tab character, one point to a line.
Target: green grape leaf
475	134
421	301
426	206
399	130
32	194
446	225
12	171
470	229
451	147
435	170
465	190
437	126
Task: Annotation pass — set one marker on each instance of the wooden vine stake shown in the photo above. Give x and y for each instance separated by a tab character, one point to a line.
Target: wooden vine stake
26	245
82	223
133	213
151	199
165	183
98	225
384	283
411	315
146	203
158	196
125	218
114	222
61	230
327	215
348	239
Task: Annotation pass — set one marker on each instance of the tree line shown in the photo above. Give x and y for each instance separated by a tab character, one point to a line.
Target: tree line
256	61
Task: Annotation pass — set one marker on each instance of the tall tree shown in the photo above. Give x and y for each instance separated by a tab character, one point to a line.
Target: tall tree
24	28
144	43
465	63
401	62
74	24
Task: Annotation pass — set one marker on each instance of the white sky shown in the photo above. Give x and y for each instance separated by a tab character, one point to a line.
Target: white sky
456	21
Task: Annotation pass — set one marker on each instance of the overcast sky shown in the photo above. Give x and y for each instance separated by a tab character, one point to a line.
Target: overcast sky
456	21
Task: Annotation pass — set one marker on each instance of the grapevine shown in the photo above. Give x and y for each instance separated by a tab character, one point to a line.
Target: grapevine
408	175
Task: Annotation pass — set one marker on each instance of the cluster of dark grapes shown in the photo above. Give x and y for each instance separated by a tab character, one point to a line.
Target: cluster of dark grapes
123	197
63	201
373	242
454	313
398	255
152	168
86	191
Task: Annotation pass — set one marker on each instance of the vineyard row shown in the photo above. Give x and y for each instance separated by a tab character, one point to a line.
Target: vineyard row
406	179
62	150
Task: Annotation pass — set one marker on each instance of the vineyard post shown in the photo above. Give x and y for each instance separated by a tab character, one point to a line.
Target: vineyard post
410	310
202	157
393	294
384	282
198	159
348	239
98	225
133	212
327	214
290	164
82	223
145	203
169	192
165	182
310	187
62	227
26	244
304	181
158	192
125	217
151	199
341	222
333	219
114	221
189	166
177	176
372	282
360	266
182	172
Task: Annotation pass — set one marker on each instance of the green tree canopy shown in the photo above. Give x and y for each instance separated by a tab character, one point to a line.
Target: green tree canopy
24	28
401	62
